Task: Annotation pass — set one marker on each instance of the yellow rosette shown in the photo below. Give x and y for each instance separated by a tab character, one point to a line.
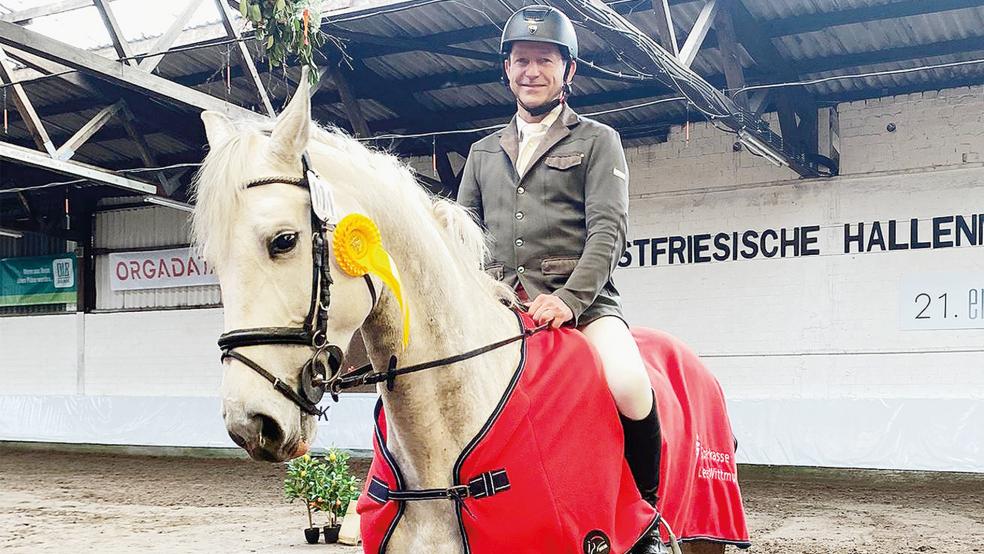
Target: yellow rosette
359	250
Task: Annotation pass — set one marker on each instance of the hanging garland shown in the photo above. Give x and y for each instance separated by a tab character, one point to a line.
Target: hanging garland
286	27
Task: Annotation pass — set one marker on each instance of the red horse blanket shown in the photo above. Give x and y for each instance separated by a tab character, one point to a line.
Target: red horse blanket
547	474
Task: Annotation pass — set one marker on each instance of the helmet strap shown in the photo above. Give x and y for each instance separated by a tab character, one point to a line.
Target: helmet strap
544	108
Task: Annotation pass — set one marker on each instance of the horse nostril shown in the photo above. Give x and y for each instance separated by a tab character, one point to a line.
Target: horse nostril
269	429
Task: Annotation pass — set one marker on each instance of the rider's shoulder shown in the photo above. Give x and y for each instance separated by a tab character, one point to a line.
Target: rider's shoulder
488	144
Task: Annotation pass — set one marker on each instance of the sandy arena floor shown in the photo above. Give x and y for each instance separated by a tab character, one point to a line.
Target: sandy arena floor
75	502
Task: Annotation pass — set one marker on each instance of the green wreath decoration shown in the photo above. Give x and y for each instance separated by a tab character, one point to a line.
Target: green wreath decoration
286	27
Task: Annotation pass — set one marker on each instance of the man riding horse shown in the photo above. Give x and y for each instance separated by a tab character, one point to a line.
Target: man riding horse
552	190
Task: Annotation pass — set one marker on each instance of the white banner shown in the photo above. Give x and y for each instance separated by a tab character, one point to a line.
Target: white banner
159	269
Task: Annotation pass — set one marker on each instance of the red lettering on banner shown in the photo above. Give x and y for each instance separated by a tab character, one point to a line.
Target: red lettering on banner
177	267
121	276
135	269
193	268
162	268
149	269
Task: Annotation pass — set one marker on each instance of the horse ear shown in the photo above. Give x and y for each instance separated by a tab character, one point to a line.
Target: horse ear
218	127
290	134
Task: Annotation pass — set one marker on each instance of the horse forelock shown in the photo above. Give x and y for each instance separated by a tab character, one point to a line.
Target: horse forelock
412	222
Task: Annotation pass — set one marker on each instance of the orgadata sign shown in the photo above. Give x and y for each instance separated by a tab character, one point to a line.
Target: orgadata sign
38	280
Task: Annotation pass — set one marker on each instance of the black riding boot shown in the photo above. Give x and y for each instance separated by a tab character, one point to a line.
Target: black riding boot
643	447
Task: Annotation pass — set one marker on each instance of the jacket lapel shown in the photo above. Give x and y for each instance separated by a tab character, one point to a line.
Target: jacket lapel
556	133
509	141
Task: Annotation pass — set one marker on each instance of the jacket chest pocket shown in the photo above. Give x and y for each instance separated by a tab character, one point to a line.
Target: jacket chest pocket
564	161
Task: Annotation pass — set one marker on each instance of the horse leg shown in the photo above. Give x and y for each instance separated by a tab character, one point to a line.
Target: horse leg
702	547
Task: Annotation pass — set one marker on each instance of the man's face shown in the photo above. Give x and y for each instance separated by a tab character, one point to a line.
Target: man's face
536	72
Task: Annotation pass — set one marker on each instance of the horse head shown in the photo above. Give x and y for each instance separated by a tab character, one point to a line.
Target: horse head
302	264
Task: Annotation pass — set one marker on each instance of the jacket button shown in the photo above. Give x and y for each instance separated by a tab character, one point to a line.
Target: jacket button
521	190
519	215
519	242
520	269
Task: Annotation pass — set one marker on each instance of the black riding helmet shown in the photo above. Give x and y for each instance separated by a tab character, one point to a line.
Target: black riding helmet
541	24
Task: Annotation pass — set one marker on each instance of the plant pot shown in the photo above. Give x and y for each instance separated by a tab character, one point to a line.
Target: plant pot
331	533
312	534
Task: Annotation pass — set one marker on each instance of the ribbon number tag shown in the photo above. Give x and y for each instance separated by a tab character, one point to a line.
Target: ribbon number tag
322	200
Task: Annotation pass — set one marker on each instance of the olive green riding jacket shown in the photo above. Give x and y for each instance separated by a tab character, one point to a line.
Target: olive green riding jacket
560	226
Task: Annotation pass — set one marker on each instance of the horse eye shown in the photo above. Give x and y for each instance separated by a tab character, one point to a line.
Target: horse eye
283	243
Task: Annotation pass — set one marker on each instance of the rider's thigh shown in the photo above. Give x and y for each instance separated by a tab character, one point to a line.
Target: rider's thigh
624	370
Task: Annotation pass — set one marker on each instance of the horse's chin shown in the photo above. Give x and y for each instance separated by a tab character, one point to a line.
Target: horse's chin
288	452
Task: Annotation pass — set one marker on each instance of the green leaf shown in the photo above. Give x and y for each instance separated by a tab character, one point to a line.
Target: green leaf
269	42
254	13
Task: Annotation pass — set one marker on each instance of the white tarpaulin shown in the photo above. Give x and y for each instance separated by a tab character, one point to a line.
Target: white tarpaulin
161	421
942	434
159	269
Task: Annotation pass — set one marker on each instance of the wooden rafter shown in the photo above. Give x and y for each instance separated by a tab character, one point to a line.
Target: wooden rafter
664	26
24	106
26	156
349	100
696	37
55	8
245	58
799	24
115	33
67	150
146	154
113	72
164	43
728	43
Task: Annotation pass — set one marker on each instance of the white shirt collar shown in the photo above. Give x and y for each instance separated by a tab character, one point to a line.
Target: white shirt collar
548	121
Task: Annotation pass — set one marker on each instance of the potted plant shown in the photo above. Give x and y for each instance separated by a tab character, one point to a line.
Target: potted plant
304	481
338	489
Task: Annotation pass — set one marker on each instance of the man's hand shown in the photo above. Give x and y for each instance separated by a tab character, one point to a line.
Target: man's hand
548	308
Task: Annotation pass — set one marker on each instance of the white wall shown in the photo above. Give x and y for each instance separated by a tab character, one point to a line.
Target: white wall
138	378
39	354
812	351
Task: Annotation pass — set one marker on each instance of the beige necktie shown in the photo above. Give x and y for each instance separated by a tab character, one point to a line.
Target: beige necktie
532	134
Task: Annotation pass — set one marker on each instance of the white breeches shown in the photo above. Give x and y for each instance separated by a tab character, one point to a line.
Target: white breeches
624	370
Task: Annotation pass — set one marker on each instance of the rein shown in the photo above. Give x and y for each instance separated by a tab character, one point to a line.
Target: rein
366	376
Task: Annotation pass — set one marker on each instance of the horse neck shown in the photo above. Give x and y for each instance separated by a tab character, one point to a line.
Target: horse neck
433	414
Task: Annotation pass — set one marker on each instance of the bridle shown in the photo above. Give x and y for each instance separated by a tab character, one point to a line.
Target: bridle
322	372
324	366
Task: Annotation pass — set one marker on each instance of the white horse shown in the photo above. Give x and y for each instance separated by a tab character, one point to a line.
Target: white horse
259	241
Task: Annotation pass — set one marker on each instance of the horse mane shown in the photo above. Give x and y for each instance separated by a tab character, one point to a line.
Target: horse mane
383	184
